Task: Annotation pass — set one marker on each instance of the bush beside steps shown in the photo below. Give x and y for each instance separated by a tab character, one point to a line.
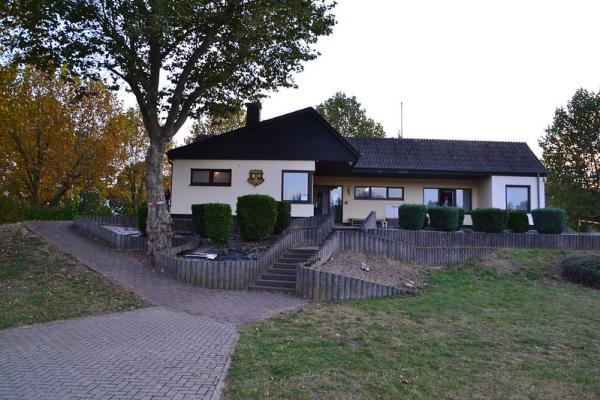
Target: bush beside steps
256	215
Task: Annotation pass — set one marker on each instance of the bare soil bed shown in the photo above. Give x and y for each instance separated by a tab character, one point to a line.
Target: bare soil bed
381	270
237	249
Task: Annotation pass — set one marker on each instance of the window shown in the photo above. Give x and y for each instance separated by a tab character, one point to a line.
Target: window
378	193
517	198
431	197
210	177
361	192
296	186
460	198
395	193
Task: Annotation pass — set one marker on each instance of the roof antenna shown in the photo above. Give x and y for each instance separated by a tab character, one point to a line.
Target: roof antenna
401	131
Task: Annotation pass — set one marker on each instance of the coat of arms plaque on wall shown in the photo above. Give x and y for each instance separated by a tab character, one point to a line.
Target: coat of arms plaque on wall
256	177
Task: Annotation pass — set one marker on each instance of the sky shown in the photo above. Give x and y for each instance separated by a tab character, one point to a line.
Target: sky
475	70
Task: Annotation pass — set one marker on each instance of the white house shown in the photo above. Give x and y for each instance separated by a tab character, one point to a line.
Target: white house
300	158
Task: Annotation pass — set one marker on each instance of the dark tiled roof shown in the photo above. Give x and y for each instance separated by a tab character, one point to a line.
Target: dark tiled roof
299	135
461	156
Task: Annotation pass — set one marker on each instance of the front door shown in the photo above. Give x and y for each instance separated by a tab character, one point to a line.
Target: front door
447	198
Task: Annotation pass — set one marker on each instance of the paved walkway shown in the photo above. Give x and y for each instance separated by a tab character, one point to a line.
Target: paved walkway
136	273
151	353
180	350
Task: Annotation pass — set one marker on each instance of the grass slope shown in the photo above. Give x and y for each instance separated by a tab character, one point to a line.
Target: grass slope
474	333
38	283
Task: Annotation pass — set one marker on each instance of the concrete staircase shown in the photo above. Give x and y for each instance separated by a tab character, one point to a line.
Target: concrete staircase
281	276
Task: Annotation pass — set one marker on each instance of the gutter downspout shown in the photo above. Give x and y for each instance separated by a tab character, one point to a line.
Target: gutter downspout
538	190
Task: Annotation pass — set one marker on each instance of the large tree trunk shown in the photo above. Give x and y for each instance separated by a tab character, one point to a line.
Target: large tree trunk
159	220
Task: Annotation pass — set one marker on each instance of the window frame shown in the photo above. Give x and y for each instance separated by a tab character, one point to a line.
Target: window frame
211	174
528	187
387	193
454	191
310	185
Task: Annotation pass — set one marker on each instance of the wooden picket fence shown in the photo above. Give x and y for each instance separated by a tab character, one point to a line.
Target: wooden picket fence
505	240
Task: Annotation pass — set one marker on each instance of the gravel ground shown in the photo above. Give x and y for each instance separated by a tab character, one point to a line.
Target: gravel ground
381	270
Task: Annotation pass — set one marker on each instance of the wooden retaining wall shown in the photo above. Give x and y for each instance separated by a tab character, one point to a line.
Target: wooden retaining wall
94	226
366	243
236	274
490	240
320	285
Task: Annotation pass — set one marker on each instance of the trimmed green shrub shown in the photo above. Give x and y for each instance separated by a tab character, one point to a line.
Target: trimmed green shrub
583	269
489	219
461	217
256	215
198	224
142	218
443	218
284	216
411	216
549	220
218	222
518	221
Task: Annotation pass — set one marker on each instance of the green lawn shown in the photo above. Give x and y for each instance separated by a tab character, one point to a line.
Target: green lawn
38	283
474	333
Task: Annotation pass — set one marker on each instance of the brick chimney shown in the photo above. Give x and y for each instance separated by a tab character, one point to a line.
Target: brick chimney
252	114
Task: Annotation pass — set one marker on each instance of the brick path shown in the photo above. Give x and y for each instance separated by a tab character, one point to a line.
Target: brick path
152	353
178	351
135	273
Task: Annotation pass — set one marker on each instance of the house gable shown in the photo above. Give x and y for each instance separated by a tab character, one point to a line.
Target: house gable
300	135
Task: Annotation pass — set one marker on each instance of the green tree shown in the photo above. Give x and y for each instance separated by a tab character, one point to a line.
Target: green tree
346	115
180	58
215	125
571	153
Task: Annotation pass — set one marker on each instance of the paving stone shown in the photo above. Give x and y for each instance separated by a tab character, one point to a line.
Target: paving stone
93	358
135	272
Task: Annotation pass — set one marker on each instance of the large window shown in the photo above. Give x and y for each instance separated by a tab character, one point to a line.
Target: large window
378	193
296	186
460	198
517	198
210	177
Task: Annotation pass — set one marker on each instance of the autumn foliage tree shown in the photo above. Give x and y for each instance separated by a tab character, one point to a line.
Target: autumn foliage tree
216	124
52	140
180	58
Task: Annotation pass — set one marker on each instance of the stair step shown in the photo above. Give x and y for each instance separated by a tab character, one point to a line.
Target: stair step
302	252
273	276
273	283
260	288
281	265
281	271
294	260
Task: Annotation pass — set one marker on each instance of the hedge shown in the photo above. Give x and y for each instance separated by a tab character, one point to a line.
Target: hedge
489	219
218	222
583	269
256	214
142	218
518	222
549	220
443	218
198	224
411	216
284	216
461	217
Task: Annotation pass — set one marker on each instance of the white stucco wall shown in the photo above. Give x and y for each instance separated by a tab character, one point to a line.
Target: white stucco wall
184	195
495	187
